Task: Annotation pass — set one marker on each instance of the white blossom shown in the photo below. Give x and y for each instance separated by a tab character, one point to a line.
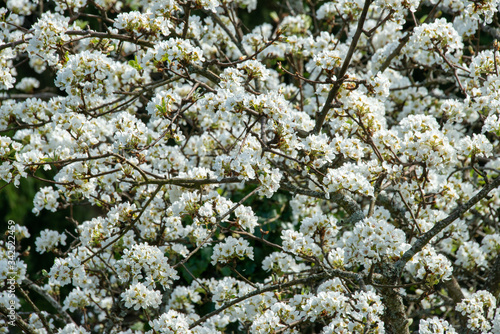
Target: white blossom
139	296
231	248
48	240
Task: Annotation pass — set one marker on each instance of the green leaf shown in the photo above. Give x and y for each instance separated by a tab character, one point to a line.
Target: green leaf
135	64
82	23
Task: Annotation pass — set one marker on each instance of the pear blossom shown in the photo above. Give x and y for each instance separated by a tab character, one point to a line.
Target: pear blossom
215	166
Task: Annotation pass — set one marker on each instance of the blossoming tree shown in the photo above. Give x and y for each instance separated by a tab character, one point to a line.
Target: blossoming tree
333	170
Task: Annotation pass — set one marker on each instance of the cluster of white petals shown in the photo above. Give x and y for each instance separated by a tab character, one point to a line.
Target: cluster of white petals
49	240
232	248
140	296
147	263
481	311
373	240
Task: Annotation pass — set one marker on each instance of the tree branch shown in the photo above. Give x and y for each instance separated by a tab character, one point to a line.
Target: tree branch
441	225
32	286
345	201
493	280
258	292
19	321
343	70
185	182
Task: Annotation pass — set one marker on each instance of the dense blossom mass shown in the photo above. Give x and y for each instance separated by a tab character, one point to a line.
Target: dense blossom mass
246	167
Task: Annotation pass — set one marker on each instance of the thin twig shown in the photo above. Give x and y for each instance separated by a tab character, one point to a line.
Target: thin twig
37	311
320	118
54	303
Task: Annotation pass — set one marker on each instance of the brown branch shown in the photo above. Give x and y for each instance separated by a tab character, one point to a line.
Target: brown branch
37	311
204	72
187	182
345	201
18	320
124	38
40	95
343	70
13	44
227	31
493	280
404	40
396	52
56	162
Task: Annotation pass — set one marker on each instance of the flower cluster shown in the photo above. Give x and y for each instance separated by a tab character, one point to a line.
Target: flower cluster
347	317
171	322
231	248
373	240
142	23
48	36
430	266
480	310
48	240
435	325
470	255
282	263
45	198
173	51
147	263
140	296
349	177
77	299
431	43
299	244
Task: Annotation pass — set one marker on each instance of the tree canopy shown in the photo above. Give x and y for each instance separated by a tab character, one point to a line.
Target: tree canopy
234	166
